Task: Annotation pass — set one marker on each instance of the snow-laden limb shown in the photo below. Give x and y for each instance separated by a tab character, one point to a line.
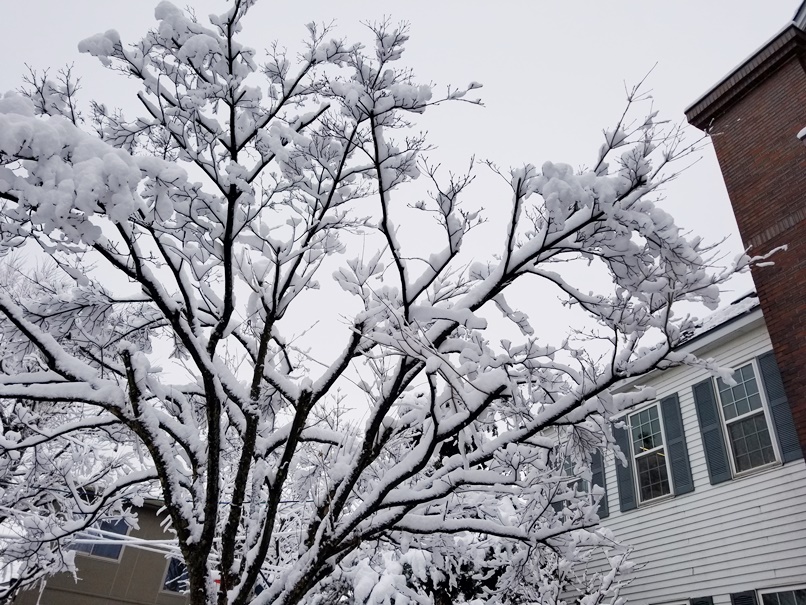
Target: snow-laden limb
468	478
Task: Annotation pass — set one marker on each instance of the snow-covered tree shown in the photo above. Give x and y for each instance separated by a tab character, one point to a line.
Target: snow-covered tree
205	224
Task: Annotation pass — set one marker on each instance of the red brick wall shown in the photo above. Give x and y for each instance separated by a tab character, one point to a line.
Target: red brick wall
764	167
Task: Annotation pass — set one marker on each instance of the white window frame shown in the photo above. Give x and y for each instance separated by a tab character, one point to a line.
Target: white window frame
636	480
91	533
762	591
765	410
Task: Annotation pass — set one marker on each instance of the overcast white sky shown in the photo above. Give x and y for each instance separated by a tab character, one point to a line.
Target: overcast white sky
553	72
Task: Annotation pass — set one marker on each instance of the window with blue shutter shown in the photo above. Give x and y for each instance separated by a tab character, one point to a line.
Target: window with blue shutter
746	426
649	454
737	420
654	444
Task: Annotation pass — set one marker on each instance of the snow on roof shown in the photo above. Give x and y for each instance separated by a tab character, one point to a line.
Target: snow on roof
742	305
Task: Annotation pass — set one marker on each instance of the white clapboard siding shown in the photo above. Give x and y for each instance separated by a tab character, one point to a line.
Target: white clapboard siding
744	534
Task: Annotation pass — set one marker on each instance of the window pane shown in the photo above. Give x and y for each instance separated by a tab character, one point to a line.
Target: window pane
176	579
110	551
724	392
86	548
653	480
741	399
568	471
754	401
785	597
751	443
742	407
116	527
739	392
646	430
740	448
730	411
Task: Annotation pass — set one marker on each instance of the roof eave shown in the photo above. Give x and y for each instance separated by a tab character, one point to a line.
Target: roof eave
787	43
702	343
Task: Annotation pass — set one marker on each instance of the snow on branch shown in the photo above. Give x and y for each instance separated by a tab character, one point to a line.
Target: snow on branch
397	432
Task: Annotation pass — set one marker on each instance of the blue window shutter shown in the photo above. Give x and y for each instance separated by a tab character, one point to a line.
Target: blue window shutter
676	445
779	408
744	598
626	487
598	478
702	601
713	442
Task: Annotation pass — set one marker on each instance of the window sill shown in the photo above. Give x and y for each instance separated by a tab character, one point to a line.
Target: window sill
757	470
654	501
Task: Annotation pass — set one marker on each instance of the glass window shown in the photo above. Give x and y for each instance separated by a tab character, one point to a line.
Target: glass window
568	480
579	484
107	551
176	577
745	420
795	596
649	453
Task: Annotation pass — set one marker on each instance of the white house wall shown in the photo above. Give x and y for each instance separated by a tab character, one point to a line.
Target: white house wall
744	534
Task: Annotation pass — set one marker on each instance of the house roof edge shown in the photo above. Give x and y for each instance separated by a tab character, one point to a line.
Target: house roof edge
706	340
787	43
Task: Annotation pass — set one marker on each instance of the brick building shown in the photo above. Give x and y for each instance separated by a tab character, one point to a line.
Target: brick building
754	117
